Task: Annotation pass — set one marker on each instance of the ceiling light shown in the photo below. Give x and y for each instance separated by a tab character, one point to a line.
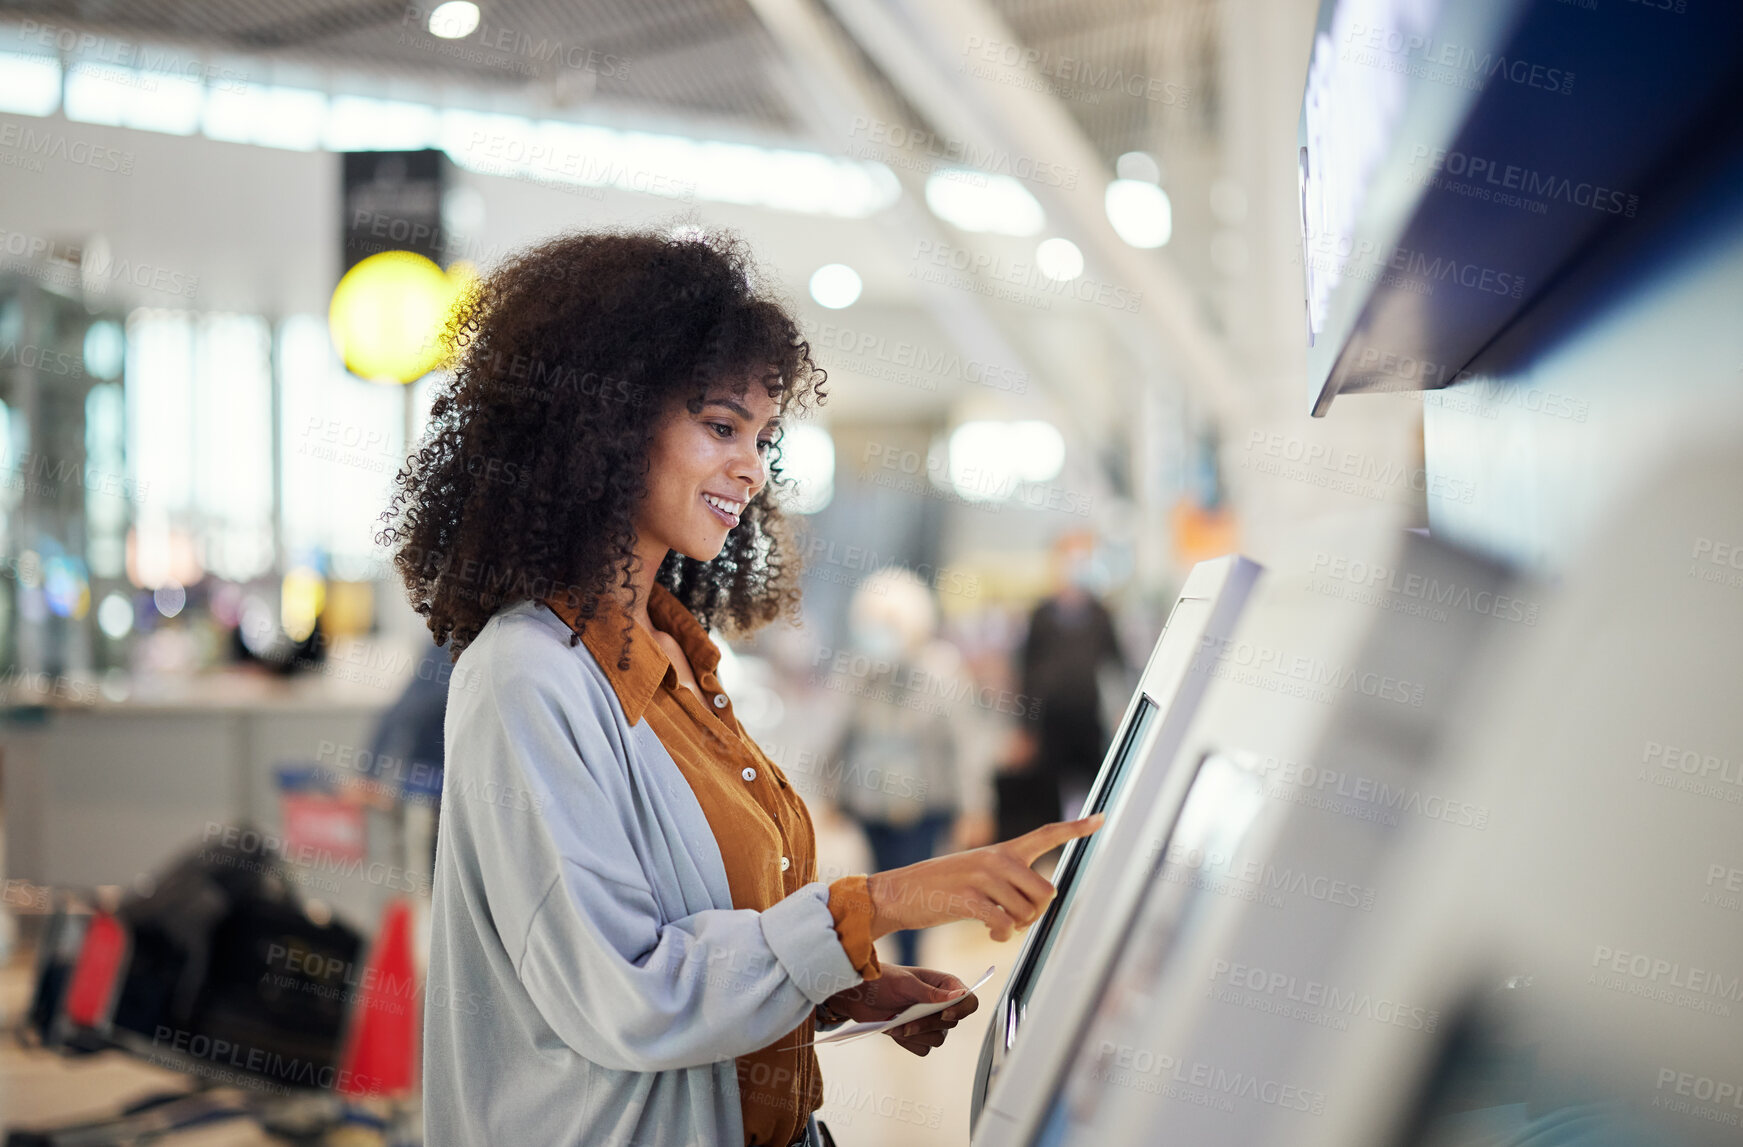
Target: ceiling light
987	460
165	102
93	94
586	155
974	201
1140	212
29	85
1059	259
454	20
1139	165
355	123
835	285
291	118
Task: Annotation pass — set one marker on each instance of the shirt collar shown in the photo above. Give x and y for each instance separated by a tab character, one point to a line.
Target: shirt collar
649	667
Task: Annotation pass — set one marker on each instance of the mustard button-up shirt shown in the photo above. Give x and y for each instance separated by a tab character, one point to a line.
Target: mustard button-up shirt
762	826
617	956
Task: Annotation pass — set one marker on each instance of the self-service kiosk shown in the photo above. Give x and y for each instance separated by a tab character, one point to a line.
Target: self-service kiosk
1143	747
1586	956
1260	851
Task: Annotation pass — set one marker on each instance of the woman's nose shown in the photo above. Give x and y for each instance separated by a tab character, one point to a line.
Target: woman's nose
751	467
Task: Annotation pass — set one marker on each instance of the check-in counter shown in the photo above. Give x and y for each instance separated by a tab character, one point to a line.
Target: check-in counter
101	792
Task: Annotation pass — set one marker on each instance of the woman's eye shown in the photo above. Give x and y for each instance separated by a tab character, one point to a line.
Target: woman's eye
763	445
724	429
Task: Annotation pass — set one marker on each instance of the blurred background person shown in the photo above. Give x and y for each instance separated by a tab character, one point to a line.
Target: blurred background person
1069	648
895	759
406	754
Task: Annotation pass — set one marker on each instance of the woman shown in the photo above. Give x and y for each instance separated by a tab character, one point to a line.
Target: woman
629	942
895	760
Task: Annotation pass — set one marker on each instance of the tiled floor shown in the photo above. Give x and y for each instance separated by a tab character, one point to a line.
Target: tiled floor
875	1093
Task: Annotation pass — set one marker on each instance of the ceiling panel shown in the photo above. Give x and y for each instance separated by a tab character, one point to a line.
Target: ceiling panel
700	56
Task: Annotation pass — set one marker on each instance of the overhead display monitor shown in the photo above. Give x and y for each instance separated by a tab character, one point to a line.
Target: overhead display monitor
1462	164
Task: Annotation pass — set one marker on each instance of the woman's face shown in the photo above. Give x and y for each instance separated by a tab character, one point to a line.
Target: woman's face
704	468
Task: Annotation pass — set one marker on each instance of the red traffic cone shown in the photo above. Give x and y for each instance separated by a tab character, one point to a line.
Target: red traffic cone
380	1056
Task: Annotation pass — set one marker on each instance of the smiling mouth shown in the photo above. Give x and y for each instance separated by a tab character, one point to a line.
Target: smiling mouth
724	508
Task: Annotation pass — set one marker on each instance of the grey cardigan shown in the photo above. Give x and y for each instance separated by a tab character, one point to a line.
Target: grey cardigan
589	980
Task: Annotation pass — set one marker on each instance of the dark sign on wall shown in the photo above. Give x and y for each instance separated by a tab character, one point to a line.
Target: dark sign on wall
392	202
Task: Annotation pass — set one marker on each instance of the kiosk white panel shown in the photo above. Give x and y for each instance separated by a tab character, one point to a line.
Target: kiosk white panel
1132	777
1329	699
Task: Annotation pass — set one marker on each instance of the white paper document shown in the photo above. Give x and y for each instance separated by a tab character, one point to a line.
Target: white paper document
847	1032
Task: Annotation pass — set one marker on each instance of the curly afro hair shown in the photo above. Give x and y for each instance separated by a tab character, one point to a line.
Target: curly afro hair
527	479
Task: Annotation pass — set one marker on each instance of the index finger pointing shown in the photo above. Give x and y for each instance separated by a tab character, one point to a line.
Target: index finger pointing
1031	846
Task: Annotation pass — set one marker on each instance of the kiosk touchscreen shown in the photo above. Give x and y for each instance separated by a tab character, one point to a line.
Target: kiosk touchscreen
1307	754
1145	744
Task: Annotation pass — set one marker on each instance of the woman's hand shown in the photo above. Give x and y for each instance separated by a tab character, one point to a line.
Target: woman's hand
994	885
899	989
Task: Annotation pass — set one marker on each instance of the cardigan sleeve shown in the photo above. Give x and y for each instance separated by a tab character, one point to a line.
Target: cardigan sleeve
579	918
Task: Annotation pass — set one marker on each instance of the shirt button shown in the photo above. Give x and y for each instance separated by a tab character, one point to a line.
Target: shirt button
720	700
785	864
749	773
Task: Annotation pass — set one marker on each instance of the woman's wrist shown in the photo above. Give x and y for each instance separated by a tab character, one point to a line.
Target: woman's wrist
877	891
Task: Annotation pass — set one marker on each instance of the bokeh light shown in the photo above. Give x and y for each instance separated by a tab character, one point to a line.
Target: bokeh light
388	313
